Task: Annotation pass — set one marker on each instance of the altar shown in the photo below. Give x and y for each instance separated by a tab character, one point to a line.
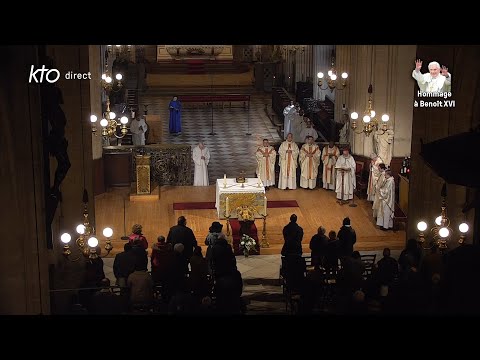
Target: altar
251	194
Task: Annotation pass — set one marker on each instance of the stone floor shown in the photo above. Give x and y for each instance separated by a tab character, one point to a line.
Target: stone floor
260	273
231	149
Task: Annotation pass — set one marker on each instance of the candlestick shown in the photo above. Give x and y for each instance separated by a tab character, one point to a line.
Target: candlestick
224	180
227	208
265	206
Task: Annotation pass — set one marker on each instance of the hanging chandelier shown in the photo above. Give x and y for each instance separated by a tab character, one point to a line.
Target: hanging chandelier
332	81
441	232
370	122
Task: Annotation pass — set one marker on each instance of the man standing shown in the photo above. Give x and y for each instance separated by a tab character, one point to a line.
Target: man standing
138	128
330	155
437	80
288	152
184	235
266	156
288	117
345	181
346	239
373	175
293	236
308	131
309	163
175	120
201	158
376	192
386	209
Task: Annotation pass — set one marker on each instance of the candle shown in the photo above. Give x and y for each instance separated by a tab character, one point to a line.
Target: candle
224	180
227	207
265	206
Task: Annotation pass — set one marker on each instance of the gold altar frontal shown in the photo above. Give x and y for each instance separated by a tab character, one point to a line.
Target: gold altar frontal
143	174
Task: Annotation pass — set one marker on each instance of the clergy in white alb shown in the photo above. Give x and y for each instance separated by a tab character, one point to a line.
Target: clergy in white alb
288	117
345	177
376	189
308	131
437	80
330	155
138	128
386	210
266	156
288	156
373	176
309	159
201	158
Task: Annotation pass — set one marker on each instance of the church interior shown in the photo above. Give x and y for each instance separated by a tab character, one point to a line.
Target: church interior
99	153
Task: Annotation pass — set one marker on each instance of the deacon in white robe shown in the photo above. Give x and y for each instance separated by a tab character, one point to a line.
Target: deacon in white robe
309	159
373	175
288	117
386	209
437	80
308	131
376	189
330	155
201	158
266	156
345	180
138	128
288	156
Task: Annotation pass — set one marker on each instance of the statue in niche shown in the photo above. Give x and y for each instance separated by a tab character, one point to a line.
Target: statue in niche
383	144
56	143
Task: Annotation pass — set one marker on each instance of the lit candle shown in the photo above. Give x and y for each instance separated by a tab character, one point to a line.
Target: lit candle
224	180
265	206
227	207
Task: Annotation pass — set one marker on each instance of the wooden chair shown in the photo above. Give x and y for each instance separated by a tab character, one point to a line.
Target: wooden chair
369	262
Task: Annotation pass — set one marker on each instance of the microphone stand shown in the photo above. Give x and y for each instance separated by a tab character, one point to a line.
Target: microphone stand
124	237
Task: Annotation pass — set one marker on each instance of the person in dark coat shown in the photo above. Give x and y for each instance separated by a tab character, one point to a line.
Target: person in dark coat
180	233
293	236
347	238
223	259
124	265
318	246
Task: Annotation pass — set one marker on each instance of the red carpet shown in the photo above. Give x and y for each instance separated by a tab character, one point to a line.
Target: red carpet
211	205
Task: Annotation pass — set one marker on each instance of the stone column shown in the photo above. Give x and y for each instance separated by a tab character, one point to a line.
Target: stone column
322	55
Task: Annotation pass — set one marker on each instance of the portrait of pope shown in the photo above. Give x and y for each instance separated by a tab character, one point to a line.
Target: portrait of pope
438	79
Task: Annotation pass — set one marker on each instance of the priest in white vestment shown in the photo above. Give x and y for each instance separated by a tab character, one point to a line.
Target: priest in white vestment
288	156
437	80
373	175
330	155
138	128
309	159
345	180
376	190
308	131
201	158
386	210
266	156
288	117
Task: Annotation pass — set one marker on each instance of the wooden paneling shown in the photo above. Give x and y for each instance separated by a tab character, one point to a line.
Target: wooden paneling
117	168
98	177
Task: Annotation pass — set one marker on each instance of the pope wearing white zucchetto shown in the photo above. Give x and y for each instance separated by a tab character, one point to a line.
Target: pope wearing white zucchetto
436	80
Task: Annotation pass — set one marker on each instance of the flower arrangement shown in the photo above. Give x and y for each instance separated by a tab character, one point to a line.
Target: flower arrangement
247	243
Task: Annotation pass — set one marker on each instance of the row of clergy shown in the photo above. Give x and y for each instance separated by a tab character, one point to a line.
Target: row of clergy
338	171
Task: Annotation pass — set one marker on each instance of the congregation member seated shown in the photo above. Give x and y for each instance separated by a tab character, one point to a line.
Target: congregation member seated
199	283
141	288
124	265
161	260
105	302
223	259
